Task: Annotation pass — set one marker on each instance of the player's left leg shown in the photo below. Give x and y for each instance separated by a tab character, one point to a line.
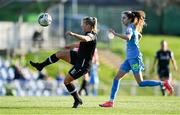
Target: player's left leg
75	72
143	83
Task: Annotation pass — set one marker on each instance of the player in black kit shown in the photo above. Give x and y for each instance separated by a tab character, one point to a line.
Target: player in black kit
163	56
81	59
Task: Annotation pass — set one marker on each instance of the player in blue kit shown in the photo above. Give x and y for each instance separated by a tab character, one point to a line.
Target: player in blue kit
134	22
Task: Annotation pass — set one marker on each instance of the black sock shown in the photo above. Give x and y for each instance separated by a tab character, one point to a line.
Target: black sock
84	86
162	90
51	59
72	90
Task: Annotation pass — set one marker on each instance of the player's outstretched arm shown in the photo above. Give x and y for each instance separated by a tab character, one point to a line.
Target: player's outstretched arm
83	38
174	63
125	37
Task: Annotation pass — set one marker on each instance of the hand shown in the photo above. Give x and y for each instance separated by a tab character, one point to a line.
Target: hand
175	68
70	33
112	31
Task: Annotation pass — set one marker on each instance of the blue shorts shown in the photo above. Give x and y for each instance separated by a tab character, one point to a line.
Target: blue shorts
134	64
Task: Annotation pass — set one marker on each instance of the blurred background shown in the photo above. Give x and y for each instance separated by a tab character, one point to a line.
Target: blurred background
22	39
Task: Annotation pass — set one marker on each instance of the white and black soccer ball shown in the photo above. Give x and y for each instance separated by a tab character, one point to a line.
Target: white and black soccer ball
44	19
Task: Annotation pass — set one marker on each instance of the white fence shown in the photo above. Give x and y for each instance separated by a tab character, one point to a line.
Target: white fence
19	36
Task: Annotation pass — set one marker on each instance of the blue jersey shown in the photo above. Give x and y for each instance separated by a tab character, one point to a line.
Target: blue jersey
132	48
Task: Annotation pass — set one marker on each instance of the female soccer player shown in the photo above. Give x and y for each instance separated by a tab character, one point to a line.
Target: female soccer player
163	56
134	21
81	59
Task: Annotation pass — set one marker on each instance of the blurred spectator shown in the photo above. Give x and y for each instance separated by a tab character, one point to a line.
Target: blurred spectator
17	73
91	79
84	85
18	80
60	88
37	39
49	84
94	78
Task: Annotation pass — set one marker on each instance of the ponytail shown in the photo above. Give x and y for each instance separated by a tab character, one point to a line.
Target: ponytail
95	25
140	20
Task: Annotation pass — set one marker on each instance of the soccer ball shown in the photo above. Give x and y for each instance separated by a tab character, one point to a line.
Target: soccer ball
44	19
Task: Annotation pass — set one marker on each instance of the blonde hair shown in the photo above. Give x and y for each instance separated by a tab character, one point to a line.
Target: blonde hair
92	21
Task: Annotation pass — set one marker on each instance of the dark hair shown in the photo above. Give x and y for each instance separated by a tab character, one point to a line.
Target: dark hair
136	17
130	15
92	21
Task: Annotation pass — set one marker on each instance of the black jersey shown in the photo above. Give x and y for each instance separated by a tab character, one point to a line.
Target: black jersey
163	58
86	49
83	58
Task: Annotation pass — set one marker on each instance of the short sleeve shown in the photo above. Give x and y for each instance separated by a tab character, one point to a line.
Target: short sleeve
171	54
92	36
129	31
157	55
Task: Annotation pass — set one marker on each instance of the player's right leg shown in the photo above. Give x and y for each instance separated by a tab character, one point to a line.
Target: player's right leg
74	73
125	67
72	90
64	55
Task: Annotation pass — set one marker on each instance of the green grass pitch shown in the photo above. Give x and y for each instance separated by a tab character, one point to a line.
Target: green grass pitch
124	105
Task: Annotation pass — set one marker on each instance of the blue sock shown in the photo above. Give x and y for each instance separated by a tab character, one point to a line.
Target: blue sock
114	89
150	83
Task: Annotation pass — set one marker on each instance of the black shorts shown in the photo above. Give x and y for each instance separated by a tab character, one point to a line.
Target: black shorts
81	66
164	73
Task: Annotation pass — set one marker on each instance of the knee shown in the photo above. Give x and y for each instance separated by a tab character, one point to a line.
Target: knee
117	77
66	82
60	54
141	84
